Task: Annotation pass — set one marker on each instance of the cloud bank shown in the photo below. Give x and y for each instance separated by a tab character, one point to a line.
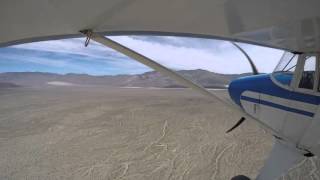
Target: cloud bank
70	56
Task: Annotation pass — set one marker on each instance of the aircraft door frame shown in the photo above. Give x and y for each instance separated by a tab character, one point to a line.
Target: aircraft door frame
296	125
310	139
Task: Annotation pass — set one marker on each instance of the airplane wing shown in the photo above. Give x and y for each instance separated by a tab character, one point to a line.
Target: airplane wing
281	159
292	24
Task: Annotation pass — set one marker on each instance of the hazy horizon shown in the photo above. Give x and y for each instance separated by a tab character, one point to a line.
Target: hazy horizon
110	74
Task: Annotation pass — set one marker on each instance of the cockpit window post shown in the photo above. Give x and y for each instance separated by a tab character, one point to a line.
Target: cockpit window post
317	74
298	72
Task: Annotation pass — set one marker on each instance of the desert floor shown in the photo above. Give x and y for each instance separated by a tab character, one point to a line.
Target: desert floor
104	133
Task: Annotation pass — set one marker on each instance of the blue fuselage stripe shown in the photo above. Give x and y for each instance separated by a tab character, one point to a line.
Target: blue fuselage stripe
278	106
263	84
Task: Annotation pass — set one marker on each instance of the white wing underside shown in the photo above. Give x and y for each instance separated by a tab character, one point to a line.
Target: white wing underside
281	159
290	24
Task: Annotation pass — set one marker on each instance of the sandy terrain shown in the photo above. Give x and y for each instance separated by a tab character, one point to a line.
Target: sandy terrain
91	133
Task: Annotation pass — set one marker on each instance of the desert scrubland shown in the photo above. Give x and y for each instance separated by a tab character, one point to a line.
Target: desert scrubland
116	133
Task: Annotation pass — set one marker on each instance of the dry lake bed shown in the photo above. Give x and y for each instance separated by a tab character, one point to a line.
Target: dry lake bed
112	133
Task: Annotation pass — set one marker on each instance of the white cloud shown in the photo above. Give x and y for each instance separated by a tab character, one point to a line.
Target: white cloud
174	52
71	46
225	58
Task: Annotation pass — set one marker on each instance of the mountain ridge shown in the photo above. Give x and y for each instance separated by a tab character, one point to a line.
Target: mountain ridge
148	79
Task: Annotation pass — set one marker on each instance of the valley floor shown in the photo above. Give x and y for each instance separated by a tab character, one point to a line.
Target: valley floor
105	133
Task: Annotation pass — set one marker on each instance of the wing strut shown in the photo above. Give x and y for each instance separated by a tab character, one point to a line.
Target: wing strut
165	71
281	159
253	66
150	63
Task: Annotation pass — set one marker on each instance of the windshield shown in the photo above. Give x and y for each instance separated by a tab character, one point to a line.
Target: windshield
287	63
284	71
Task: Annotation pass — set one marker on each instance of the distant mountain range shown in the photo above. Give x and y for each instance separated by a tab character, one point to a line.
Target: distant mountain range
148	79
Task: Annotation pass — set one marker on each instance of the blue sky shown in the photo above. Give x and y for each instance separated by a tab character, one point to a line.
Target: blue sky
70	56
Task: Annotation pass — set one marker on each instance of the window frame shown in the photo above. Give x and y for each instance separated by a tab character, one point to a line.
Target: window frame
291	86
298	75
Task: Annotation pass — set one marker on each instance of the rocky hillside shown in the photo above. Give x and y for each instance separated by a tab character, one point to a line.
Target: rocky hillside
148	79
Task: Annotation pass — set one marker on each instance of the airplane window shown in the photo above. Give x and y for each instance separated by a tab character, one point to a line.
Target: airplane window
284	71
308	74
